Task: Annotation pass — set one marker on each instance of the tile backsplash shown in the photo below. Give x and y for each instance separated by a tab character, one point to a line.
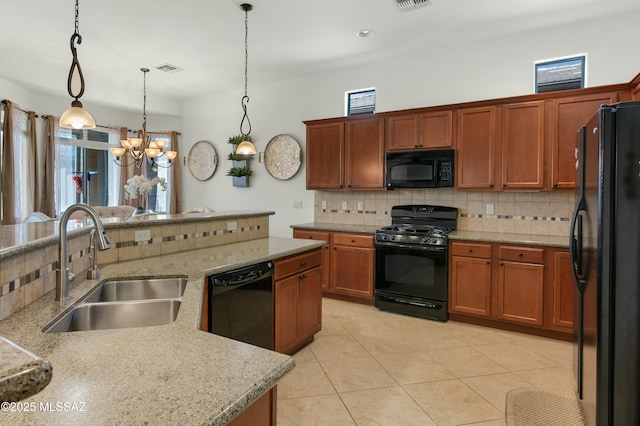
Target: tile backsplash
534	213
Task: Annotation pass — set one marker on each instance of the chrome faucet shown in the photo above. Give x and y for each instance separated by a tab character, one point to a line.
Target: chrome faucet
62	274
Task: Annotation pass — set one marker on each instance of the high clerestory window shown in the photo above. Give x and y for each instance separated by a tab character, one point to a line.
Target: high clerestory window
560	74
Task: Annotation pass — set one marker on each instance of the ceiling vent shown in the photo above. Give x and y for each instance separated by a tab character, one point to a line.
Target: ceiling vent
407	5
168	68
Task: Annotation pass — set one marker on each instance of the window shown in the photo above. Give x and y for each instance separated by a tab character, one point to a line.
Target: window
560	74
159	200
84	171
361	101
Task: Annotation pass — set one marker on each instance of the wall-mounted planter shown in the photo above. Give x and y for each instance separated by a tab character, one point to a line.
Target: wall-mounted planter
239	164
240	181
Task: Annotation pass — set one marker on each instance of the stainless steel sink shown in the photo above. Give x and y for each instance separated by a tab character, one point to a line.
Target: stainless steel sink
137	289
109	315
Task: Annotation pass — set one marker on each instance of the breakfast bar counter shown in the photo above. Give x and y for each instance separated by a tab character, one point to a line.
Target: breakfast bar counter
169	374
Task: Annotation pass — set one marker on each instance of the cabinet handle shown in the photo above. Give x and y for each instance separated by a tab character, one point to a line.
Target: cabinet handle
303	276
501	263
488	262
303	263
520	254
470	250
353	241
490	185
504	185
310	237
555	184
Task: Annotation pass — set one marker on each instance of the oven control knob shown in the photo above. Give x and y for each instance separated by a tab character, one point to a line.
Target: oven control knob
393	237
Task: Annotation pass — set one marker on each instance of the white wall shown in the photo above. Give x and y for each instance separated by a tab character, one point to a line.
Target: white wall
482	70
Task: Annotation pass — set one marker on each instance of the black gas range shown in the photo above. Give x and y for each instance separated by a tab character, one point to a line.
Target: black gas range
411	261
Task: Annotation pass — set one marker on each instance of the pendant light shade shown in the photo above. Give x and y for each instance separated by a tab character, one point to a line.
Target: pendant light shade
246	148
76	117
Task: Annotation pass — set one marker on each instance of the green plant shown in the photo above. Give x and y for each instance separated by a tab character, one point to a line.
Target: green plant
236	139
239	171
235	157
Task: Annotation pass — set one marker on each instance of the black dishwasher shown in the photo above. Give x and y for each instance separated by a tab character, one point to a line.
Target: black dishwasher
241	304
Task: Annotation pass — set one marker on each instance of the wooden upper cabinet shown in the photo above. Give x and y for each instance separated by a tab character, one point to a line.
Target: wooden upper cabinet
477	141
427	130
523	140
635	88
365	154
325	156
568	115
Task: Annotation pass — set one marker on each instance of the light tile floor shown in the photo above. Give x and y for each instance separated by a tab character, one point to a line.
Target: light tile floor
369	367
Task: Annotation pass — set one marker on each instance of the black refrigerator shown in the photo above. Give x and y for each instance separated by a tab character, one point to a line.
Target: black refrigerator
605	253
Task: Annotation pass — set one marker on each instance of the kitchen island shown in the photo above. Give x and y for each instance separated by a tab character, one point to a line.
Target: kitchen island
170	374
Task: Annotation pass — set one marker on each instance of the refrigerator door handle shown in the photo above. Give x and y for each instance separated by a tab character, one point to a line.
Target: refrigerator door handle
575	248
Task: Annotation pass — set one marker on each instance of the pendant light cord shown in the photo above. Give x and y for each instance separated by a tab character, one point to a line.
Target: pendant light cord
245	98
76	37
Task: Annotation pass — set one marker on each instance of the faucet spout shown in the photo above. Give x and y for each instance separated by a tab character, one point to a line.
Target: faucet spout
102	242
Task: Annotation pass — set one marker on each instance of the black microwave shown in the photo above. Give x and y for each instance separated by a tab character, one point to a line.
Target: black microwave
419	169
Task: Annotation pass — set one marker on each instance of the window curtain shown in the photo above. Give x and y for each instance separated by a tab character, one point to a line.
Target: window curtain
34	177
8	193
48	205
175	206
16	182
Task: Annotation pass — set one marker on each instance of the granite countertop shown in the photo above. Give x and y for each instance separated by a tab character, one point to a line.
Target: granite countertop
337	227
499	237
493	237
22	373
169	374
15	239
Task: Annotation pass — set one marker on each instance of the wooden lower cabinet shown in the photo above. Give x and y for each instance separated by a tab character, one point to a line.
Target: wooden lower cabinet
297	301
262	412
523	288
349	264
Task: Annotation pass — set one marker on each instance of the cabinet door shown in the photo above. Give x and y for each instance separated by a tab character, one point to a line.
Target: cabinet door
477	141
470	291
436	130
325	156
523	141
520	292
310	303
402	132
563	291
318	236
568	115
286	313
365	154
352	271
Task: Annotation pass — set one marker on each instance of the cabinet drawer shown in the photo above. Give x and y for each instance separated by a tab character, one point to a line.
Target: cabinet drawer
471	250
296	264
311	235
521	254
353	240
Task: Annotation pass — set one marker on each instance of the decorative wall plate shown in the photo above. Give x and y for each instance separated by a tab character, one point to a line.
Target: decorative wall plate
282	157
202	160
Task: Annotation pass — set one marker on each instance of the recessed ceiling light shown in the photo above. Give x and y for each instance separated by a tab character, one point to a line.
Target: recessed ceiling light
365	33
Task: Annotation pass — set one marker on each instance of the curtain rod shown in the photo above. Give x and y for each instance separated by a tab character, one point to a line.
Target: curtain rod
152	133
4	102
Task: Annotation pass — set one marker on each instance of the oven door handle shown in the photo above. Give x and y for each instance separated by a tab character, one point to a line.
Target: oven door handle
412	247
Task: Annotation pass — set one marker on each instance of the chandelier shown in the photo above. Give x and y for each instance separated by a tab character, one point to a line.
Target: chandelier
76	117
245	147
143	149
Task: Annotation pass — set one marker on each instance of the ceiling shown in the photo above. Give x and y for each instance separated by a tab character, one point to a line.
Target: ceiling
287	38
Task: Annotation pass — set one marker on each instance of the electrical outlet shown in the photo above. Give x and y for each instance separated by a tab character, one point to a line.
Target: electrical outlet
142	236
345	206
324	205
360	206
297	204
490	209
232	226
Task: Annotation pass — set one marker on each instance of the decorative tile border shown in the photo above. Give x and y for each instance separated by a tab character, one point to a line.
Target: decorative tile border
499	216
180	237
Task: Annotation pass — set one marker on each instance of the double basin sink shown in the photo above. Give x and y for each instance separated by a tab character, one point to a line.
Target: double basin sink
123	304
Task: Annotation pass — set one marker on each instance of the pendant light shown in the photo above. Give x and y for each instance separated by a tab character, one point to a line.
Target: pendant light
143	149
245	147
76	117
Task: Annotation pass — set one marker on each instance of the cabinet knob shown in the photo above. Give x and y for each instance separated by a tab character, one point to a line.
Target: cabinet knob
353	241
303	263
504	185
488	262
490	185
303	276
470	250
520	254
501	263
310	237
555	184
